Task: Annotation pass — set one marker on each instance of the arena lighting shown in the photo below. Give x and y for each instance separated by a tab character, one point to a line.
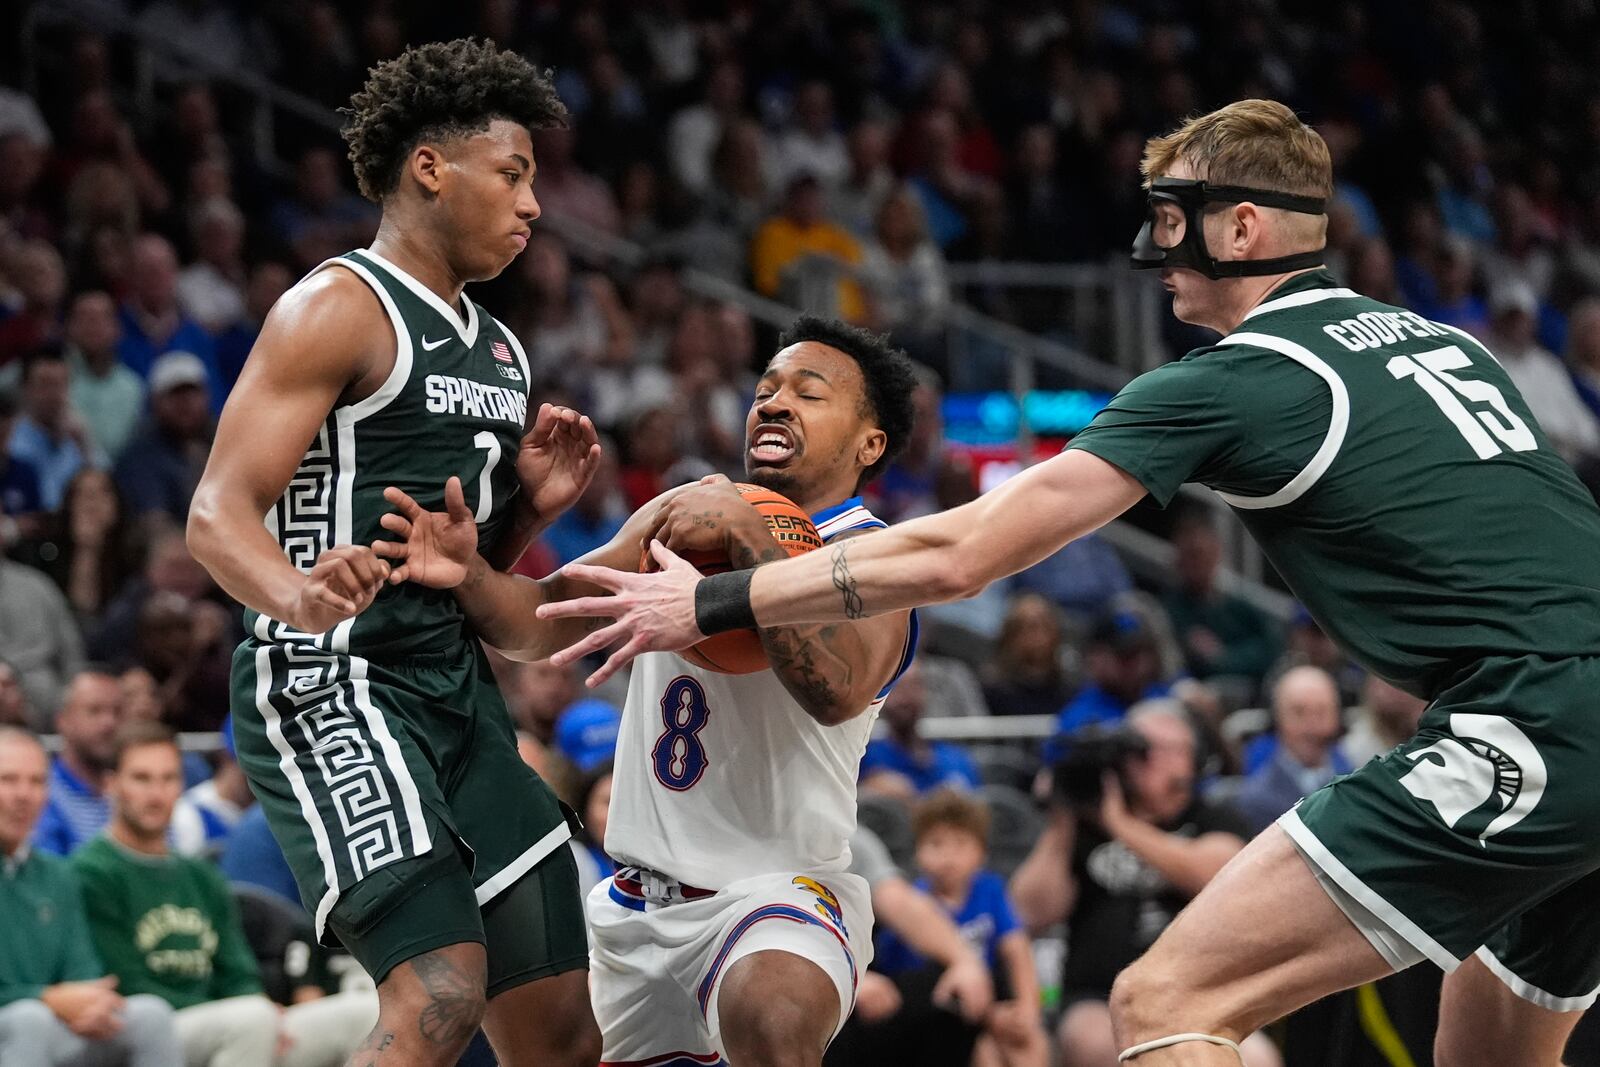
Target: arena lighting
996	418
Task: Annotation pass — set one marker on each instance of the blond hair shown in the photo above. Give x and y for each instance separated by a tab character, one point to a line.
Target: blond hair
1256	143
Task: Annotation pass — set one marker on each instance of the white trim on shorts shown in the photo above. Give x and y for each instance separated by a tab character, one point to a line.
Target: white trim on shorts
1530	992
507	875
1317	854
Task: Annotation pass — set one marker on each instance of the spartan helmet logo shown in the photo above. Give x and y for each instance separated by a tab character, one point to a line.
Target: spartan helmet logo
1489	761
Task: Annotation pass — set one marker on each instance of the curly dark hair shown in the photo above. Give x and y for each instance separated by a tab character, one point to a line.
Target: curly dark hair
889	374
440	90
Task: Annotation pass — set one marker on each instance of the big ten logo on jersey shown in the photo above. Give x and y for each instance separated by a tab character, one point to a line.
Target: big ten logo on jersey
448	394
504	362
793	530
827	901
1484	780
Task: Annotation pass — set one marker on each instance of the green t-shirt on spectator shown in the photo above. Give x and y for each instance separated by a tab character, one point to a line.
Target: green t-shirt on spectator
165	925
44	937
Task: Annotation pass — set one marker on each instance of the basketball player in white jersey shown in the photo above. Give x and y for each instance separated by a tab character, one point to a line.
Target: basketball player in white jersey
732	931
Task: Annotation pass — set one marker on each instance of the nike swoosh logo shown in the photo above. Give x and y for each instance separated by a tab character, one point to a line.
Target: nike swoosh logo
429	346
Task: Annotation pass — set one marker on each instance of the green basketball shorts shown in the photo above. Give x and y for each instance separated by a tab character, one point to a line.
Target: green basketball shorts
390	781
1477	836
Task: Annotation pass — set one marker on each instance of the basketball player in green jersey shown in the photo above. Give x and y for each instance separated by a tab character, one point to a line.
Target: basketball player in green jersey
365	715
1396	479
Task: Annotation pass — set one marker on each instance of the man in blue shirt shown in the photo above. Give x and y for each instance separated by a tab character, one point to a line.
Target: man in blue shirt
152	322
20	501
905	764
1307	722
1124	667
50	436
88	721
164	459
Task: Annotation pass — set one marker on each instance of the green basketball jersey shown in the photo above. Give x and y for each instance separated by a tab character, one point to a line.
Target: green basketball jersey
454	404
1391	472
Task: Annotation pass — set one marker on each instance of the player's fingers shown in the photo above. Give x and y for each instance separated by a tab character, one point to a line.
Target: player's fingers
391	550
589	433
604	577
543	424
339	577
342	604
716	479
594	642
402	500
399	574
395	522
618	660
455	501
667	559
583	607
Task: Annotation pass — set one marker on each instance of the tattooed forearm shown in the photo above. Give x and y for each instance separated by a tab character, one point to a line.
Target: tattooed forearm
455	999
845	582
808	663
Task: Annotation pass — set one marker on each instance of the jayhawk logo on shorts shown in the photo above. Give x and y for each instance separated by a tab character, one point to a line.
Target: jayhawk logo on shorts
827	904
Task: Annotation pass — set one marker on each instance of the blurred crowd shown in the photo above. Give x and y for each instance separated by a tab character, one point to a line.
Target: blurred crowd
825	153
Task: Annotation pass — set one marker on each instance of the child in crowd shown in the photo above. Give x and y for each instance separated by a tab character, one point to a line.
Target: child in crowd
952	832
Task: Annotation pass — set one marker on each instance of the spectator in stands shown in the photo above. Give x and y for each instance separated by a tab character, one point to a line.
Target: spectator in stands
906	489
1306	723
58	1007
1583	352
1539	375
41	278
1223	636
1119	873
568	324
1306	643
803	258
855	200
268	281
927	1016
209	810
1083	579
716	236
1385	717
904	275
322	218
1455	300
152	322
650	450
952	834
586	734
104	391
168	568
596	517
693	133
1372	271
14	709
1036	197
50	436
167	925
253	857
88	722
569	192
165	459
91	548
1026	675
904	764
211	289
588	844
21	501
1123	664
38	636
186	645
810	143
539	696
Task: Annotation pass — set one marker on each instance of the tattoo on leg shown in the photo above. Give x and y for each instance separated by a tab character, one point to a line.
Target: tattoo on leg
845	582
455	999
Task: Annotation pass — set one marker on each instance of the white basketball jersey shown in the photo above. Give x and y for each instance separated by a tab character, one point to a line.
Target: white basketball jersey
721	776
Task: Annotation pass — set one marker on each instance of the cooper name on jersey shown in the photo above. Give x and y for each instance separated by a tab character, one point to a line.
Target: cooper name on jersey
447	393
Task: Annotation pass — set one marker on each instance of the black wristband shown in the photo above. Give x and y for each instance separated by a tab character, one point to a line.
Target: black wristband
722	603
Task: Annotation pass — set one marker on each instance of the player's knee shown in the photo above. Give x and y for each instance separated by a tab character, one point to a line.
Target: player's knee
1145	1000
765	1031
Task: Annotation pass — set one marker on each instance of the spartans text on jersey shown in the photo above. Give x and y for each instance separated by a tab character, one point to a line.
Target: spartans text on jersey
447	393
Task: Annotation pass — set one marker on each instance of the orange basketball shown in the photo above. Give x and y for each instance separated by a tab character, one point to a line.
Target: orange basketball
740	651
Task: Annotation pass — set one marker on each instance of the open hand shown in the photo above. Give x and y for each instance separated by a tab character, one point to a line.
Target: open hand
557	459
653	612
341	585
438	546
965	987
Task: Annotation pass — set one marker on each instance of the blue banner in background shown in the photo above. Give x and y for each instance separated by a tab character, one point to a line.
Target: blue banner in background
995	418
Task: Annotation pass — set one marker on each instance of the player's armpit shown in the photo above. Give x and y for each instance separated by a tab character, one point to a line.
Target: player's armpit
323	341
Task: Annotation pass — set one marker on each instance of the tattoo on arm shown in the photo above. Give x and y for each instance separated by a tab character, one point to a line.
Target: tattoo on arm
845	582
455	999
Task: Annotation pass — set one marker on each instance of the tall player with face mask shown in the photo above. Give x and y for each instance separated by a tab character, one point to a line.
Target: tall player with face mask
1392	473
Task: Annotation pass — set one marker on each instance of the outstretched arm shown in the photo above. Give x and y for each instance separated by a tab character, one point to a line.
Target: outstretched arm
940	557
834	670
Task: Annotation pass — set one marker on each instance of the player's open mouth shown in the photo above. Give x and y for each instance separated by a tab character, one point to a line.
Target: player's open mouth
771	446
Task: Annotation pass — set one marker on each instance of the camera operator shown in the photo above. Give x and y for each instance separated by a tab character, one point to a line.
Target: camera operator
1118	862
